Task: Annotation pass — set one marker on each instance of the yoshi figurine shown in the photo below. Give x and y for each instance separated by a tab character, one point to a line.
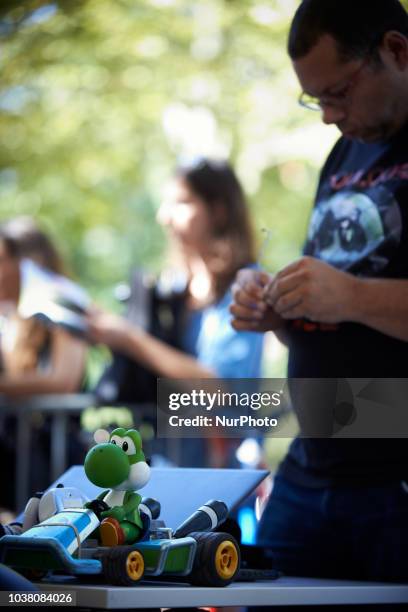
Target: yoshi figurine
117	463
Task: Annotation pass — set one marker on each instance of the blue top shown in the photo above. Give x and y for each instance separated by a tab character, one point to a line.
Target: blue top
211	339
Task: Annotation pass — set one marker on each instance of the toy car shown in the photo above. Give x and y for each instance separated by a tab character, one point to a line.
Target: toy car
63	543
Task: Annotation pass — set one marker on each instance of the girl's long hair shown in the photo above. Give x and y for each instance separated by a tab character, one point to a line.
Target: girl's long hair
216	183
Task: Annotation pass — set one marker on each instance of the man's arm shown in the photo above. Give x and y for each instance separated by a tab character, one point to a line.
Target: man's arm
310	288
383	305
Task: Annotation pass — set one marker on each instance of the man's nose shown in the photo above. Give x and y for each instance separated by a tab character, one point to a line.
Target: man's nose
332	114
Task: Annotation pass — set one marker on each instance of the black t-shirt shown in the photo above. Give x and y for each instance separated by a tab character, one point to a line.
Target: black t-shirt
360	225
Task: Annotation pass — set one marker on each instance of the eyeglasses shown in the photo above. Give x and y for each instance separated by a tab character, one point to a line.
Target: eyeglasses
335	97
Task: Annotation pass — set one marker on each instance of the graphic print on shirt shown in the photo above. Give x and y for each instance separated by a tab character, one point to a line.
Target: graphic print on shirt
357	231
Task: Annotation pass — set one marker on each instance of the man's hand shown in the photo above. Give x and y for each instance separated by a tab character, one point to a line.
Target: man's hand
249	309
312	289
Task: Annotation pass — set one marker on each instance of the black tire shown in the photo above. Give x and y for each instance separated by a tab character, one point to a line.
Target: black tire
153	505
123	566
217	559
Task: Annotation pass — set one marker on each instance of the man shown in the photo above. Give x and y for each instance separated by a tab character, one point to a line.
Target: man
340	506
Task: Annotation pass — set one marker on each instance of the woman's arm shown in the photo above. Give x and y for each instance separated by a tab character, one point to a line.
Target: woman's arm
64	374
122	336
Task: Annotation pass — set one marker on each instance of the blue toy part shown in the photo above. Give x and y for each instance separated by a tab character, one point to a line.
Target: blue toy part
50	544
49	554
70	528
59	499
160	553
44	553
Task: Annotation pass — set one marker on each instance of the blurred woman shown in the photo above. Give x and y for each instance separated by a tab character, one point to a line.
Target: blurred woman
34	358
206	217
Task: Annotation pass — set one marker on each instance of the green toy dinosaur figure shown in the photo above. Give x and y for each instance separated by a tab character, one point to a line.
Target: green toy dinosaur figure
118	463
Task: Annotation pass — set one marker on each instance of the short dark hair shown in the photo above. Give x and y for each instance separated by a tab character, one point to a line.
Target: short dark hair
358	26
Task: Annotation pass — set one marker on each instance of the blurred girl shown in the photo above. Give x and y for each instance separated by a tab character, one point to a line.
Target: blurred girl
34	358
206	217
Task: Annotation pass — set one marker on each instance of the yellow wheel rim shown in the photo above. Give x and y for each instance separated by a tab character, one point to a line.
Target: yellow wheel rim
135	565
226	559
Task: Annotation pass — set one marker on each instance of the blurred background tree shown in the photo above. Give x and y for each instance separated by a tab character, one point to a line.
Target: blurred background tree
99	98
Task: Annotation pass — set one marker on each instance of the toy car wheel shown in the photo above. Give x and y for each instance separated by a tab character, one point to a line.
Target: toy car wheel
134	566
123	566
217	559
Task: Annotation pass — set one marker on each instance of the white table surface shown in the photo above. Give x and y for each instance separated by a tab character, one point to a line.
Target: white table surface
283	591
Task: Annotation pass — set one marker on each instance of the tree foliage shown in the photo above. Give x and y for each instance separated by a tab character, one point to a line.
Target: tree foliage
98	99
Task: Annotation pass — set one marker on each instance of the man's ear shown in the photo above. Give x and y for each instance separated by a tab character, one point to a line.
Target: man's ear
395	45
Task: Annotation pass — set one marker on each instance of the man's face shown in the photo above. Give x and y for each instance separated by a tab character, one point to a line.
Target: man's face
365	100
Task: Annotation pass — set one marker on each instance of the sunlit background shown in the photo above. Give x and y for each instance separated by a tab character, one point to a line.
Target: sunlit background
99	99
